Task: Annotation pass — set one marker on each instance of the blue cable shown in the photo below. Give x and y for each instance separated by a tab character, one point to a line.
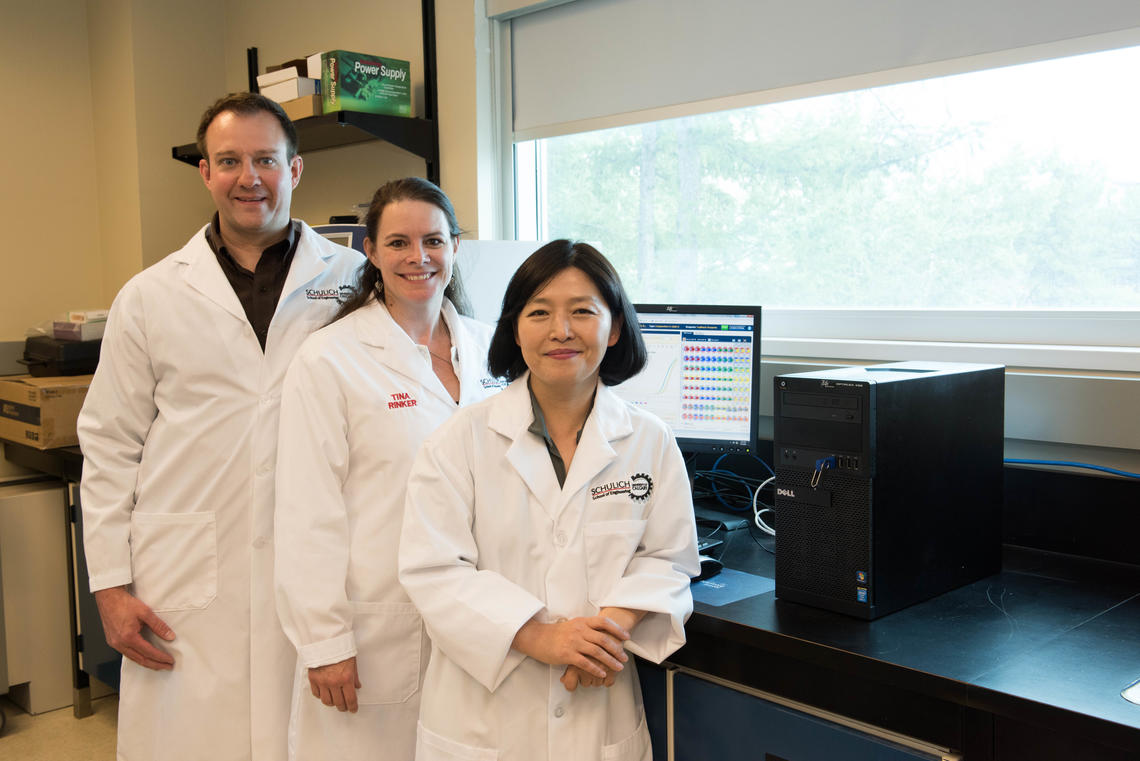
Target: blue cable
1065	464
767	467
716	490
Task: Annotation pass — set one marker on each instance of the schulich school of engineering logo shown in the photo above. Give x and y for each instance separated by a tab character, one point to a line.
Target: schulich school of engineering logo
340	293
638	487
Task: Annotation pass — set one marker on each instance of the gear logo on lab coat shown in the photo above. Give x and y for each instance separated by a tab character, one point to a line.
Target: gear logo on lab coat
640	487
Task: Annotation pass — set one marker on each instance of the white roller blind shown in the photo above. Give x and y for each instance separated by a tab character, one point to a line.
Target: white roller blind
591	60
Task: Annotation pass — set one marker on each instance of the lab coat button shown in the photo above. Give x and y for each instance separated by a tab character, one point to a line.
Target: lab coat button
260	542
560	538
559	712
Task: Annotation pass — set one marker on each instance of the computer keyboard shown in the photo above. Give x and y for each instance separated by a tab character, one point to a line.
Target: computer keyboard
706	543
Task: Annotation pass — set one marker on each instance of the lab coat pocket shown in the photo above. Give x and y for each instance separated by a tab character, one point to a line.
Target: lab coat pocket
633	748
610	546
174	559
433	747
387	651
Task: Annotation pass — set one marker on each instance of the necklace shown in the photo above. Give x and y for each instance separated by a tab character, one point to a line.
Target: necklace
448	333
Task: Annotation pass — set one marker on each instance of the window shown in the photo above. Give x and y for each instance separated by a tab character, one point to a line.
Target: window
1011	193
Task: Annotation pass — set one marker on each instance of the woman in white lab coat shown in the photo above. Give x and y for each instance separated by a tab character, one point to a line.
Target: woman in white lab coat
547	531
359	397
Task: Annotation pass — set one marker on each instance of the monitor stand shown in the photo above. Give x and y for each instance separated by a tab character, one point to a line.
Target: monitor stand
725	521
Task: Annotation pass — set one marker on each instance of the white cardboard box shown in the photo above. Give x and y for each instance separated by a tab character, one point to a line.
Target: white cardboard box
291	89
280	75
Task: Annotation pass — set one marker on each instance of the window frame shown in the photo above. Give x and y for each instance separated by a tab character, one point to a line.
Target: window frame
1076	341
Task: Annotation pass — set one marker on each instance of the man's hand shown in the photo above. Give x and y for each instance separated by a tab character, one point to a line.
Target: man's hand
336	684
593	644
124	617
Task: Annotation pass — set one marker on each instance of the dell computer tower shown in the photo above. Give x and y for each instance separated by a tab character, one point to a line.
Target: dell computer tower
888	483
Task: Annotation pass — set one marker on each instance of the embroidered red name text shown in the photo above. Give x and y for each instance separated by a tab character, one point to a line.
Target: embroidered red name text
401	400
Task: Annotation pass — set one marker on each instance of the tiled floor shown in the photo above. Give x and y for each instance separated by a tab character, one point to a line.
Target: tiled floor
58	735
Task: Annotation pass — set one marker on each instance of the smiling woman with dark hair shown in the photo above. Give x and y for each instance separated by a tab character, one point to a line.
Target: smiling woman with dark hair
547	531
625	358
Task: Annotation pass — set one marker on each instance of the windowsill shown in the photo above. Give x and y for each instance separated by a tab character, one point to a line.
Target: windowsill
1082	361
1050	413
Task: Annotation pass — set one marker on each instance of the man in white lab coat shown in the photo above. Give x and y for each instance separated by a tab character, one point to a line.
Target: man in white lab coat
179	437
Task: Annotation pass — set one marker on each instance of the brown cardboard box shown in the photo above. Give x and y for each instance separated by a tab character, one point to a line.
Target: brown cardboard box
41	412
299	108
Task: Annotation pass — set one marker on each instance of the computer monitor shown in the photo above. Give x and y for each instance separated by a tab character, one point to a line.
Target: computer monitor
703	374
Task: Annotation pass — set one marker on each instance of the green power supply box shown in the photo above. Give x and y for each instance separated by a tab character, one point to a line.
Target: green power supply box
361	82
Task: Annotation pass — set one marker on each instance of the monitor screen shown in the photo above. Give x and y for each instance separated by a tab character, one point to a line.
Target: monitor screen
703	374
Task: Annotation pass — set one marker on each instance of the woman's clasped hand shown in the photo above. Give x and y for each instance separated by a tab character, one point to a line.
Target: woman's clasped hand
591	648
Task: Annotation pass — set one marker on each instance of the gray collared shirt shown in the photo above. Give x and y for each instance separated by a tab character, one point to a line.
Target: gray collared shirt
538	428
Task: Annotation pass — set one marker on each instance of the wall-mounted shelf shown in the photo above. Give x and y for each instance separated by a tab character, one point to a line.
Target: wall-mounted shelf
345	128
417	136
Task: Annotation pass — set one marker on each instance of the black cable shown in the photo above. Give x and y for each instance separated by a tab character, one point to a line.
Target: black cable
715	525
732	502
752	533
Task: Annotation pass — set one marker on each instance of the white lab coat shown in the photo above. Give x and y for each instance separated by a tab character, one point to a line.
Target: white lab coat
358	400
179	437
490	540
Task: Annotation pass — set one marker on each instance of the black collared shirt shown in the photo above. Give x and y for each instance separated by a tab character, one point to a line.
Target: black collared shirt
260	290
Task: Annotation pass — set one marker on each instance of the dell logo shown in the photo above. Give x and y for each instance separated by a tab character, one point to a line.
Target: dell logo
789	493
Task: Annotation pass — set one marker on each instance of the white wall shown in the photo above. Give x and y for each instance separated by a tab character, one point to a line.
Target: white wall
151	78
91	194
50	252
178	70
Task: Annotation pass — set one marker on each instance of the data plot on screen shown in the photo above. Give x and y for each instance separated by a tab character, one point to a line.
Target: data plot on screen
701	374
716	384
658	387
